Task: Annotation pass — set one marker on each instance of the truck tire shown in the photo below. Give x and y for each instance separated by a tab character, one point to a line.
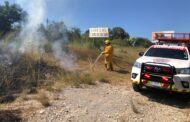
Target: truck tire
137	87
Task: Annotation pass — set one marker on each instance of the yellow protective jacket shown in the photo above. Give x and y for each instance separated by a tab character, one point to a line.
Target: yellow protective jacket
108	51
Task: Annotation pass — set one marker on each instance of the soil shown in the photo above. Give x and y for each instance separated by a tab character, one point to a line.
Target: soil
115	101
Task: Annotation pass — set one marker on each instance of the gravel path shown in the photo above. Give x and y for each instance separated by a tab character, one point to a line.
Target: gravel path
107	103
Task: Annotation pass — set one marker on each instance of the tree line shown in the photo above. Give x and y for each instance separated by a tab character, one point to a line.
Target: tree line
11	16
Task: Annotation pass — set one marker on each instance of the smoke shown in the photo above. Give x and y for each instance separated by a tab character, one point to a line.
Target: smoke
66	60
31	40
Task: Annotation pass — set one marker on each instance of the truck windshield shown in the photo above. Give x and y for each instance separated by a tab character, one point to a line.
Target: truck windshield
167	53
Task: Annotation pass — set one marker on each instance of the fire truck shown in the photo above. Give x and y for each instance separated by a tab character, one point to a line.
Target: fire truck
165	65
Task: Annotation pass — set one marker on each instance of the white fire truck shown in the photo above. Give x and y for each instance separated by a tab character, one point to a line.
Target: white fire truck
165	65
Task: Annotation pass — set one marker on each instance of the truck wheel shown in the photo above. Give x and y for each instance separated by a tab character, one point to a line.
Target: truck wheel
137	87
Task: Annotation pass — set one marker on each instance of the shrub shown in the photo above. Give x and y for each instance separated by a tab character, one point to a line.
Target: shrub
43	99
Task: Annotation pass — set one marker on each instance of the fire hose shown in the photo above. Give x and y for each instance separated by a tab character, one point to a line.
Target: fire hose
99	56
97	59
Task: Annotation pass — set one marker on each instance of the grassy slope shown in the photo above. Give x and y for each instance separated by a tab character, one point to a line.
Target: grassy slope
124	57
26	76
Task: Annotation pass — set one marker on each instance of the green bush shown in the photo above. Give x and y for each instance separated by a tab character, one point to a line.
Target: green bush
86	44
120	42
48	47
139	42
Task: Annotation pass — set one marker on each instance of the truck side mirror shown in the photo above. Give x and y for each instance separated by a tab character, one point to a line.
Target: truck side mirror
141	53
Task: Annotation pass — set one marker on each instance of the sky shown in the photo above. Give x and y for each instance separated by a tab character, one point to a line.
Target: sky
138	17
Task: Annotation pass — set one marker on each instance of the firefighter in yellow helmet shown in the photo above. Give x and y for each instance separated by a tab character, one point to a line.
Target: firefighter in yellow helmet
108	54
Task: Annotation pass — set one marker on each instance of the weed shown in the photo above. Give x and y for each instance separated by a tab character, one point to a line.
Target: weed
43	99
122	119
103	80
134	108
10	115
23	95
76	79
7	99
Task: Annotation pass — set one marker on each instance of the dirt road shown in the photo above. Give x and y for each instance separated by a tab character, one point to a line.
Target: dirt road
105	102
108	103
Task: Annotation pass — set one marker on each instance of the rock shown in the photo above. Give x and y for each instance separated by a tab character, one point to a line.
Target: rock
136	119
141	119
175	119
41	111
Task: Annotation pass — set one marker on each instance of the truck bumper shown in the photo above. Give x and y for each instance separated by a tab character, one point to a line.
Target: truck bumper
181	83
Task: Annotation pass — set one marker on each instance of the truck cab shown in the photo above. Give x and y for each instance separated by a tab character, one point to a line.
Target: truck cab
165	65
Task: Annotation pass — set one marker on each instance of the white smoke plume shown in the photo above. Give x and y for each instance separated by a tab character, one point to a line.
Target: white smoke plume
67	61
33	41
31	38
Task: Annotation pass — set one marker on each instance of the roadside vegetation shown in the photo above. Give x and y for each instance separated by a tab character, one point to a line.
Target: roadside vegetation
30	72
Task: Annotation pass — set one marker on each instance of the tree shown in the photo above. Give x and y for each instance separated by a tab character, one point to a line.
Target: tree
74	34
119	33
10	15
56	31
85	36
139	41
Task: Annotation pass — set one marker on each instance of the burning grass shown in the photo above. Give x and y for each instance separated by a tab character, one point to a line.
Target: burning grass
28	72
10	116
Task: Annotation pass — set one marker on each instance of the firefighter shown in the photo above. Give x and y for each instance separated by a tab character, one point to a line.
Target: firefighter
108	54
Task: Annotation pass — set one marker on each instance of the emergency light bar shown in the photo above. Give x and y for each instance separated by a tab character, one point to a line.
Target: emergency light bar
171	37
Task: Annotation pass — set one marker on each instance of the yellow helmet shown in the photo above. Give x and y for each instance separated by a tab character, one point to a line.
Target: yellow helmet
107	41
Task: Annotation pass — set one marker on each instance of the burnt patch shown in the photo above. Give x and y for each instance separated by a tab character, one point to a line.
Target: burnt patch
10	116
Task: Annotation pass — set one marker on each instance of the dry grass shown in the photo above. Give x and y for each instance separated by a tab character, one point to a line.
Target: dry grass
43	99
24	95
123	119
31	71
134	108
84	53
127	55
7	99
10	116
102	79
28	72
76	79
124	57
